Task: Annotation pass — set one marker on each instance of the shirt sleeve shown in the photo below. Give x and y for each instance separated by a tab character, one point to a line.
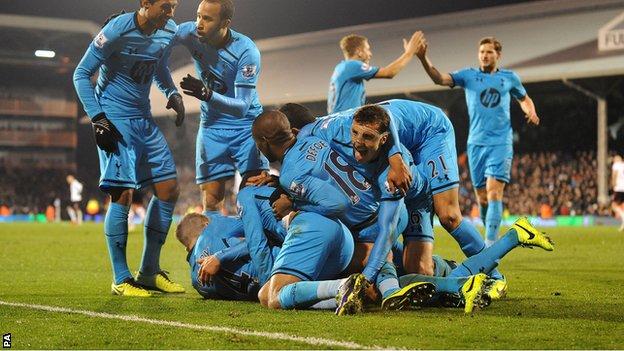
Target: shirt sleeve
316	195
517	89
102	47
244	85
358	70
163	79
388	219
459	77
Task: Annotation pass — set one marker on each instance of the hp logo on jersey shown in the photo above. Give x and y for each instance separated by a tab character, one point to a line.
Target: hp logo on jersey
490	97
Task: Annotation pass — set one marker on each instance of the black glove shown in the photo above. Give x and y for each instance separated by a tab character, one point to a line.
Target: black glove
106	134
175	102
195	87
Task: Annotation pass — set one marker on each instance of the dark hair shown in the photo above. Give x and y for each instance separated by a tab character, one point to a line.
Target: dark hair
491	40
298	115
373	115
227	8
110	18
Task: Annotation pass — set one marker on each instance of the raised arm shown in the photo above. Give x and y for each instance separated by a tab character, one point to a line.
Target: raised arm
409	49
435	75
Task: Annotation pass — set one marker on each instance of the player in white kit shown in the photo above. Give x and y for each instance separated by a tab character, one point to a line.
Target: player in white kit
75	196
617	182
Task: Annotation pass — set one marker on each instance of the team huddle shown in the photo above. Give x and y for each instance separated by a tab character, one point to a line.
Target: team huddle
348	223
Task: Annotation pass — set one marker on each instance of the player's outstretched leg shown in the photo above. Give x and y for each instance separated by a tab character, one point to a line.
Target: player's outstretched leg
529	236
351	295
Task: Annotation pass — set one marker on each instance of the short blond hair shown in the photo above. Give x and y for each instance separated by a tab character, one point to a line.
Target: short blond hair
190	227
351	43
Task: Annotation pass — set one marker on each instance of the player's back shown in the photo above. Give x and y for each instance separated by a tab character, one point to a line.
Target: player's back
416	121
312	171
235	280
346	86
131	59
237	64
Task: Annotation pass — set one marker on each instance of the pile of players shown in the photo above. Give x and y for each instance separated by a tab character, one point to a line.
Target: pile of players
348	223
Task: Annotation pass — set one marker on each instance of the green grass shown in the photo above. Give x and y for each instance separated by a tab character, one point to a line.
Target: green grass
567	299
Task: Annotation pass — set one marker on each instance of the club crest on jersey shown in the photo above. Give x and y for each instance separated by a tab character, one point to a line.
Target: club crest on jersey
297	189
249	71
100	40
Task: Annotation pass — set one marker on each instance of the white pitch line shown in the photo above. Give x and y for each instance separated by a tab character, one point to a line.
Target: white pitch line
131	318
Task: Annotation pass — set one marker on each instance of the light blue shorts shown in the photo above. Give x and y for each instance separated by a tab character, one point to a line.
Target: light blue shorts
437	161
315	248
489	161
143	157
220	152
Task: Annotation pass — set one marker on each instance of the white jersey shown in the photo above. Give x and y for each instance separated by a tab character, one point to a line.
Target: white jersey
618	170
75	191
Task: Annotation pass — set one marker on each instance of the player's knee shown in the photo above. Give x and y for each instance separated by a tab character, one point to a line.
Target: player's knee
121	196
495	194
450	219
263	295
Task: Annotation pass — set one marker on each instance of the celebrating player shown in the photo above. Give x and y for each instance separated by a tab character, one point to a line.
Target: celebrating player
228	65
346	87
428	135
130	52
490	150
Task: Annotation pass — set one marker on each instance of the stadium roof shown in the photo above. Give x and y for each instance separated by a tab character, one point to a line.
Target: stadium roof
542	40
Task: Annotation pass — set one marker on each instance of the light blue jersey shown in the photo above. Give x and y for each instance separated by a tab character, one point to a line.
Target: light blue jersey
128	61
488	99
421	128
236	279
321	181
231	72
346	87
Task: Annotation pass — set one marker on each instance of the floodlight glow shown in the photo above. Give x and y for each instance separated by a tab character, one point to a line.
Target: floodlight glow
45	53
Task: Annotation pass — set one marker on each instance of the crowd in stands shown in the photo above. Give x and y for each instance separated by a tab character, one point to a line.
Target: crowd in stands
543	184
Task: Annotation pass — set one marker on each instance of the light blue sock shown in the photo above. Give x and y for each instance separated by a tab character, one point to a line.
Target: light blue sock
305	294
483	212
471	242
387	281
116	232
488	259
157	223
442	284
493	220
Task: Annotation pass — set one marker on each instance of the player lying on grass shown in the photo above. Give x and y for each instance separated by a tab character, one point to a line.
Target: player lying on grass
429	136
232	257
318	180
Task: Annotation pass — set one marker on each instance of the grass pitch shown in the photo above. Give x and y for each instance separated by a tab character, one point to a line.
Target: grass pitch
567	299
